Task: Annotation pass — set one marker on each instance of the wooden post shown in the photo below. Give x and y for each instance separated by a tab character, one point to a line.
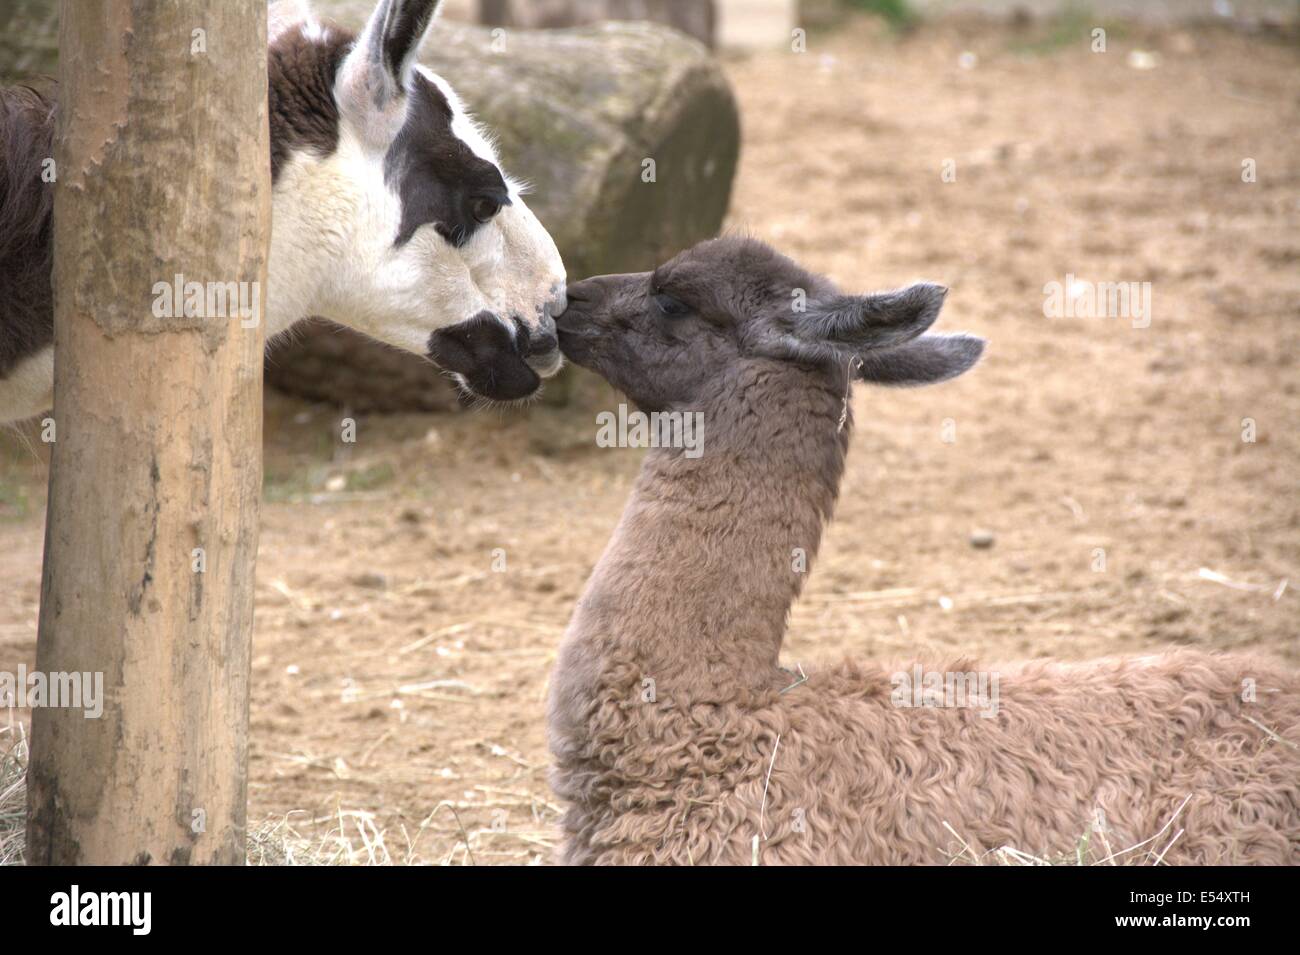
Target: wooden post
161	224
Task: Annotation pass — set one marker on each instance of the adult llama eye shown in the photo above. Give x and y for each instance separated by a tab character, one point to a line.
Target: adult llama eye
484	208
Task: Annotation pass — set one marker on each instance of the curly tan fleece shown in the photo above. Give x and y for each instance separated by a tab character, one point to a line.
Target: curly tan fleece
667	702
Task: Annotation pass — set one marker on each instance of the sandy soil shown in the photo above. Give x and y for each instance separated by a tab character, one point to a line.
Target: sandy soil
399	678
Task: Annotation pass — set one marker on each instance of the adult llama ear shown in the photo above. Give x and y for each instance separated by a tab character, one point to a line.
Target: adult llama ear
372	83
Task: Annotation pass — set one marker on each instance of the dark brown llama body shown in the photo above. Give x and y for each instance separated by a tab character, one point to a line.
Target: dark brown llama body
26	198
679	739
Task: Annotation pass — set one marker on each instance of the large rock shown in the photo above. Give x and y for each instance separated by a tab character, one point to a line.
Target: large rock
577	113
697	18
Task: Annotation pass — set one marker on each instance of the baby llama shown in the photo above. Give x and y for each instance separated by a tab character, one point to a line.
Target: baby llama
679	739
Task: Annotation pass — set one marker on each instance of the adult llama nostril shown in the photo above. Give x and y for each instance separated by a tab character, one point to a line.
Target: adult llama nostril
539	346
543	343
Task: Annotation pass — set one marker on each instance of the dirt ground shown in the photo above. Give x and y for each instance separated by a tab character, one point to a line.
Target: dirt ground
399	678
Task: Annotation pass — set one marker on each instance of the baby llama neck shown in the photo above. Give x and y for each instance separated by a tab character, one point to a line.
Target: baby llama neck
695	586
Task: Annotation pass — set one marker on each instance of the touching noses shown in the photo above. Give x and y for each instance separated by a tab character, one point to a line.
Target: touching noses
596	289
540	344
542	340
593	296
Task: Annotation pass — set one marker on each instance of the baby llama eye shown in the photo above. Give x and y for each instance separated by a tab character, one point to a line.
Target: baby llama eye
669	305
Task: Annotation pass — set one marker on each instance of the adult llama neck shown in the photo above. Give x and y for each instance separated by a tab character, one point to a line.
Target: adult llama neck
696	584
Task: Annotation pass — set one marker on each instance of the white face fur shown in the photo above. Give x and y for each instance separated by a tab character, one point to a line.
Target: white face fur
385	235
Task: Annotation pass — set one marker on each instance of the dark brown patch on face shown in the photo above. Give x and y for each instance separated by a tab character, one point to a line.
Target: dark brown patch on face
303	113
489	359
439	178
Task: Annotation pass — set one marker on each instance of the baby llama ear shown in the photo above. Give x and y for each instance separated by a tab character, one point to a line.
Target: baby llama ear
372	83
881	320
922	361
882	336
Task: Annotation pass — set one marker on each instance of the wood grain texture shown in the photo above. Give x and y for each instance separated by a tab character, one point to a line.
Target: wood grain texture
155	484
